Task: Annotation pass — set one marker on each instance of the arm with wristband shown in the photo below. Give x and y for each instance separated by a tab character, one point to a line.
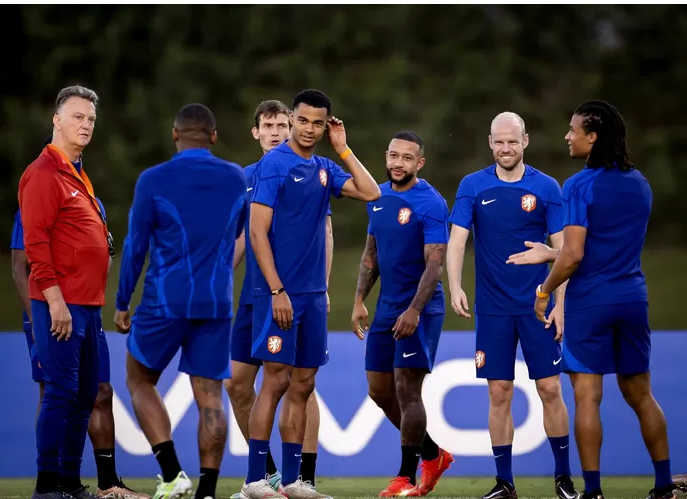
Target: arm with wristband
362	186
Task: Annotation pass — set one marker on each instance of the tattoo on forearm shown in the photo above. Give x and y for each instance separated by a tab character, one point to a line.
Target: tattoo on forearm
435	255
369	268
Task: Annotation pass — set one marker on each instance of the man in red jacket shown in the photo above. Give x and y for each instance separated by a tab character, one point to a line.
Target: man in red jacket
66	242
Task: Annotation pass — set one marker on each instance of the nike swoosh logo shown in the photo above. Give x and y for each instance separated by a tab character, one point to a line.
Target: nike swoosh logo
105	455
298	179
261	452
569	496
555	362
75	193
377	209
297	455
484	203
564	446
500	455
249	189
406	355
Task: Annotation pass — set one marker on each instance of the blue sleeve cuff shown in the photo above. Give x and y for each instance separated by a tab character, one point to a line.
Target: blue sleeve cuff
121	304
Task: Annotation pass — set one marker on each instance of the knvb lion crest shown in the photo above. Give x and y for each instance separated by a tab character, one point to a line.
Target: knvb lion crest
274	344
529	202
479	358
404	216
323	177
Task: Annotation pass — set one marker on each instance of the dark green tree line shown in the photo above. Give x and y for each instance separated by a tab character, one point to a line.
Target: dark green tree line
443	71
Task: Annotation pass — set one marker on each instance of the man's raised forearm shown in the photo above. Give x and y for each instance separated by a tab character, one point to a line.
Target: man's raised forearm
434	267
369	270
364	182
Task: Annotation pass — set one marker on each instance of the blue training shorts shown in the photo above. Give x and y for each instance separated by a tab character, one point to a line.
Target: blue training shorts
103	361
497	339
608	339
383	353
204	344
304	344
242	336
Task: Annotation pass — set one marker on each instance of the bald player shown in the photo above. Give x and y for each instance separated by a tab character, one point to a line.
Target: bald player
505	204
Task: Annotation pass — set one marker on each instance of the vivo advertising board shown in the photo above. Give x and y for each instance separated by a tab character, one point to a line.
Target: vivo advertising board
355	438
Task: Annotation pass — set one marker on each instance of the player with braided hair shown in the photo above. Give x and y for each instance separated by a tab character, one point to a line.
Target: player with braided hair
607	207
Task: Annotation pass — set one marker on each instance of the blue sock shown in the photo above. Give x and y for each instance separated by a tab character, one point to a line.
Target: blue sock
257	460
561	455
663	477
592	481
290	462
503	455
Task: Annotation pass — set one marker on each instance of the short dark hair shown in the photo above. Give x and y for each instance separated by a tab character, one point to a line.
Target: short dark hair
270	109
410	136
610	149
75	91
195	122
313	98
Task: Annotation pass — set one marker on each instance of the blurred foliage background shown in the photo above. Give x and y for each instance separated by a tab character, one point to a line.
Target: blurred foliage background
443	71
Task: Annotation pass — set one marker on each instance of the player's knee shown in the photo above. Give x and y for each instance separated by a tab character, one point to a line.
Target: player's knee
636	391
408	390
588	395
276	382
549	390
103	399
383	398
500	393
239	391
302	387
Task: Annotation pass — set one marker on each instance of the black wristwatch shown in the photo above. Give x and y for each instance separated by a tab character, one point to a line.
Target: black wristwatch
278	291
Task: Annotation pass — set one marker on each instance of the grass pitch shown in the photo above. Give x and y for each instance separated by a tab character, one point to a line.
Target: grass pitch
341	488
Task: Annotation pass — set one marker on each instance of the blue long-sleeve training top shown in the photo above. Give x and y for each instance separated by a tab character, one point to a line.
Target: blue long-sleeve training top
186	213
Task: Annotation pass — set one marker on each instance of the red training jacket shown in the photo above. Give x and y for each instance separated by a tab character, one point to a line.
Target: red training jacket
64	236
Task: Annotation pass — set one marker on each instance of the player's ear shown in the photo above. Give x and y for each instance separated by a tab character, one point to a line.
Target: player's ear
491	144
57	121
591	137
175	134
255	133
290	121
213	138
420	164
525	141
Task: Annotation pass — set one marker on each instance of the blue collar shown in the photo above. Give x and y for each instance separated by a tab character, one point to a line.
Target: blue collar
196	152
